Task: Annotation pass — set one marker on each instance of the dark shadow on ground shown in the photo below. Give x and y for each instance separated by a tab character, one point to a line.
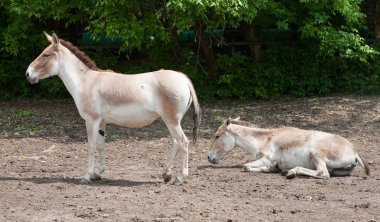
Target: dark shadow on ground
203	167
77	181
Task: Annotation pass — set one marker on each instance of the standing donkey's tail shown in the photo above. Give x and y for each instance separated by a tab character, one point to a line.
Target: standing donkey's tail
363	164
197	115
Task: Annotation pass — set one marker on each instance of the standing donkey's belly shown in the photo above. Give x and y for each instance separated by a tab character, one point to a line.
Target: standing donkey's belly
131	115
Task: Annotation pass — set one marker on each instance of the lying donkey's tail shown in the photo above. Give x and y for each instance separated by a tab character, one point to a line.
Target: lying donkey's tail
197	115
363	164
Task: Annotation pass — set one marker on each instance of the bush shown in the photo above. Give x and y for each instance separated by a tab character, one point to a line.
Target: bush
295	71
283	70
12	79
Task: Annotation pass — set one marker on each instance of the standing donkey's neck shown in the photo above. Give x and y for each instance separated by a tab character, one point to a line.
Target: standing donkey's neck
71	71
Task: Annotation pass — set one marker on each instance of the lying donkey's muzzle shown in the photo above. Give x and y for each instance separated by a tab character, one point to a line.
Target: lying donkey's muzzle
212	159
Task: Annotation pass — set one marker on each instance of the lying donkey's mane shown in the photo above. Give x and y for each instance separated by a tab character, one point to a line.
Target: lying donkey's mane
80	55
243	123
254	129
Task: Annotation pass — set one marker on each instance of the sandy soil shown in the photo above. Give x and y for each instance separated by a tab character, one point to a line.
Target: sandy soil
43	156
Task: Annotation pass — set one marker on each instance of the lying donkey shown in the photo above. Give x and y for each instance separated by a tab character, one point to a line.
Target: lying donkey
290	150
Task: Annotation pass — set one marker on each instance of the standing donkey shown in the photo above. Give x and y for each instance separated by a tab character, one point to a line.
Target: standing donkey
103	96
290	150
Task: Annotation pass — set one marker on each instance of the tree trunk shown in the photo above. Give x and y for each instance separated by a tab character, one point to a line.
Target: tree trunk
206	47
376	18
253	38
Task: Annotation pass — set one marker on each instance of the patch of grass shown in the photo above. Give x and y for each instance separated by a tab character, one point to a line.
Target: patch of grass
20	122
24	113
20	116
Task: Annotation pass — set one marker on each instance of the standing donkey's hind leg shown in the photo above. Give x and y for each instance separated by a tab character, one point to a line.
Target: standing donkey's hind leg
179	141
184	144
166	173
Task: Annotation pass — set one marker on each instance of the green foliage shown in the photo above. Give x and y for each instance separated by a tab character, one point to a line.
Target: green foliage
347	45
138	23
329	53
215	13
294	71
167	56
12	82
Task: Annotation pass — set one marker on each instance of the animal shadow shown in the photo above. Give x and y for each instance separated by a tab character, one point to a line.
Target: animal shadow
77	181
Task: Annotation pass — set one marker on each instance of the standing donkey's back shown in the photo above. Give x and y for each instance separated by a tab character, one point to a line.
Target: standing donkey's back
129	100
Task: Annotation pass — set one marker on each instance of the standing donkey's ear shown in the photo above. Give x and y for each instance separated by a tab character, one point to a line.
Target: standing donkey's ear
48	37
55	39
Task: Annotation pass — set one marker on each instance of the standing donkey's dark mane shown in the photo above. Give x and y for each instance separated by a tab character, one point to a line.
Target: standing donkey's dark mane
80	55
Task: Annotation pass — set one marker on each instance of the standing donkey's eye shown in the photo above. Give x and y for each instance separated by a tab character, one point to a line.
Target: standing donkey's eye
45	55
216	137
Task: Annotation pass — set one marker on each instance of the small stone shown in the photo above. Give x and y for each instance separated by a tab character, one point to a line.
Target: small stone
106	215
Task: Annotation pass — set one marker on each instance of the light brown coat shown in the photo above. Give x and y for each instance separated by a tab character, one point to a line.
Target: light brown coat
291	150
103	96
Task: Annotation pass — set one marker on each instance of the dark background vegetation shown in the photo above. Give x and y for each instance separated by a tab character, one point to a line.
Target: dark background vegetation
230	49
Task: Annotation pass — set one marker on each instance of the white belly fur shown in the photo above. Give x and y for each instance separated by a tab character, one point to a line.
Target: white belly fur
133	115
295	157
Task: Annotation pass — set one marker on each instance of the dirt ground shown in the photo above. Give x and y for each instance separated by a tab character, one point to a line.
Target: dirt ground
43	156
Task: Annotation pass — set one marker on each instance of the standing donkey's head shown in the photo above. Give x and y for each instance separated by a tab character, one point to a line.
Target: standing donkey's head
47	63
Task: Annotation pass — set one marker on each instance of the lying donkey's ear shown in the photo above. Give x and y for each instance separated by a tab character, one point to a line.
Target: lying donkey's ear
228	121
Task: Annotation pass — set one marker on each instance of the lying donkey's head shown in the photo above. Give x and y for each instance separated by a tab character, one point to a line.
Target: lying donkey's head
222	143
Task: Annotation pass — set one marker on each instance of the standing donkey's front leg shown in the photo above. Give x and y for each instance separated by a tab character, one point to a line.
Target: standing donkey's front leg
100	147
92	137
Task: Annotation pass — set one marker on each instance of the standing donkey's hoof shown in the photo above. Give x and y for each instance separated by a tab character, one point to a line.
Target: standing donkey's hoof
85	181
96	177
166	177
178	181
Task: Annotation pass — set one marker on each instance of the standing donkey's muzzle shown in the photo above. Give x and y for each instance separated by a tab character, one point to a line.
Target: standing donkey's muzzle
30	77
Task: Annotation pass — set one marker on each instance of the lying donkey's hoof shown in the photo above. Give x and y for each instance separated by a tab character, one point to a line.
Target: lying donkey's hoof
291	174
85	181
166	177
246	168
284	172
